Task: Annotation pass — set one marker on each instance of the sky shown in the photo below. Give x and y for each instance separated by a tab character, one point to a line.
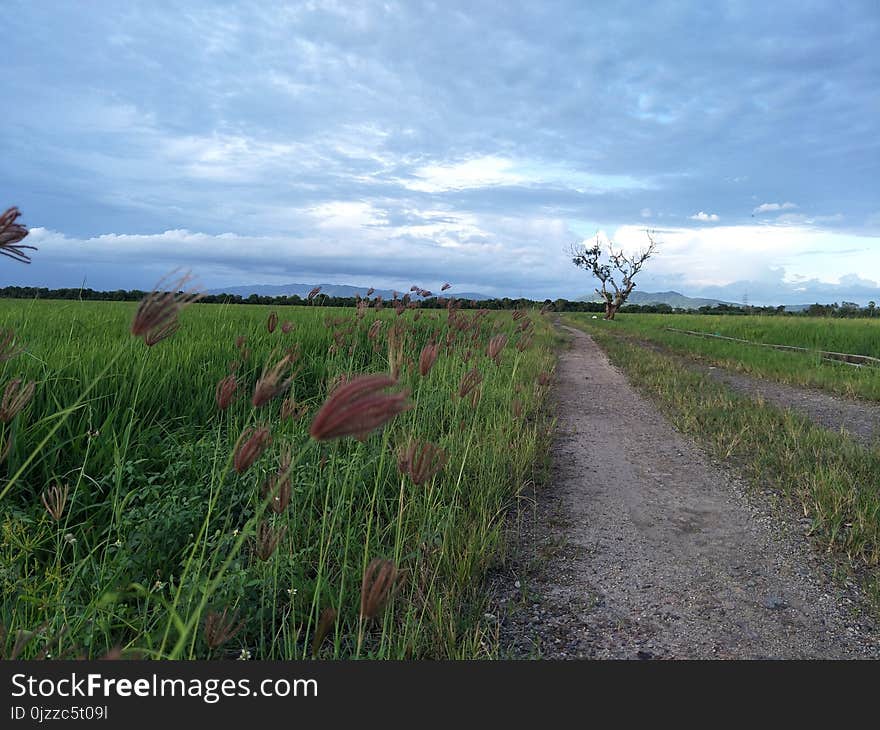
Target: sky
395	143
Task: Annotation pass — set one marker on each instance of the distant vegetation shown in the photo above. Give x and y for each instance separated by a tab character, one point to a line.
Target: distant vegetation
843	309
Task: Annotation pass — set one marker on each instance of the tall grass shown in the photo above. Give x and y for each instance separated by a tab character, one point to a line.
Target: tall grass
859	337
160	534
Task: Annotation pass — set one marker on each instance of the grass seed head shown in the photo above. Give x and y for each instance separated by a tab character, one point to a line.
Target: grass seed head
272	322
470	380
157	313
276	489
11	236
325	624
54	500
421	460
15	397
250	446
427	358
496	346
225	391
271	382
358	407
376	586
7	346
268	538
221	628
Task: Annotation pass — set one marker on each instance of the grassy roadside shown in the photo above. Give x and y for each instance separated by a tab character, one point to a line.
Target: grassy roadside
853	336
826	476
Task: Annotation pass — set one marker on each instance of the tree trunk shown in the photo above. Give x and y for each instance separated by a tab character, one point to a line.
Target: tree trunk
611	310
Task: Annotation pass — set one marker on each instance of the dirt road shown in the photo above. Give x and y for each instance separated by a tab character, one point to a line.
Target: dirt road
641	548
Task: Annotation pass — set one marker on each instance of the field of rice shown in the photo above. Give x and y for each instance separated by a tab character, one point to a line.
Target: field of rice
853	336
239	489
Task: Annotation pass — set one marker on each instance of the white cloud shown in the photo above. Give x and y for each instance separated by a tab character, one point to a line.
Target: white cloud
705	217
771	207
646	213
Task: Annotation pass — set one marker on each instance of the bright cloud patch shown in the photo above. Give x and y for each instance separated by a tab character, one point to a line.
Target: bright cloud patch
705	217
772	207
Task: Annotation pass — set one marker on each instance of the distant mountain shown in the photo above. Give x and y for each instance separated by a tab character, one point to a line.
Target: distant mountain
672	298
331	290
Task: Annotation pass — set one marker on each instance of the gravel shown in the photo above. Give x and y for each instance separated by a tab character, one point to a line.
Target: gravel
640	547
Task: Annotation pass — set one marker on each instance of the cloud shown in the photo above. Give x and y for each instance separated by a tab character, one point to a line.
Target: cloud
444	135
770	207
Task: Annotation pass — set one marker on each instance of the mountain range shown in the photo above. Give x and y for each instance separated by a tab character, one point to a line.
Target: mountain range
331	290
672	298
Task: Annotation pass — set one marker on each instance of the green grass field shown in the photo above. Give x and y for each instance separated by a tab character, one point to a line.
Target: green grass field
159	534
854	336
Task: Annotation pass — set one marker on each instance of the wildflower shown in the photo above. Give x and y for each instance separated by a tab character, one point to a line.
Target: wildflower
277	488
118	543
291	592
446	286
268	538
496	345
7	350
251	444
11	234
427	358
420	461
245	655
313	293
15	397
70	539
358	407
54	500
470	380
224	393
156	316
378	581
221	628
272	322
286	326
270	384
325	623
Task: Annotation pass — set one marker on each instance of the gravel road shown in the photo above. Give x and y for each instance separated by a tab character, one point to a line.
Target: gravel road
641	547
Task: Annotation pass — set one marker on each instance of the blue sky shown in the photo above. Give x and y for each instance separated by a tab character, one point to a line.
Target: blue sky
393	143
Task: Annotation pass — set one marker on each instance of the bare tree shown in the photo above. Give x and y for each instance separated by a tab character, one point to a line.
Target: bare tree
610	268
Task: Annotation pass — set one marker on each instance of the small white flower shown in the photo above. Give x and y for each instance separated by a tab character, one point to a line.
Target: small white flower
118	543
235	532
244	656
158	585
70	539
291	591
